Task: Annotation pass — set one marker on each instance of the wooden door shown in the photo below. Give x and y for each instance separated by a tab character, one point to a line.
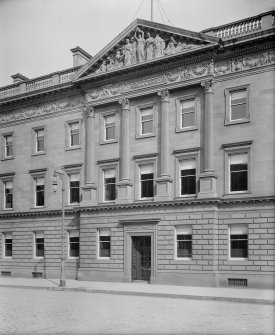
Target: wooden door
141	258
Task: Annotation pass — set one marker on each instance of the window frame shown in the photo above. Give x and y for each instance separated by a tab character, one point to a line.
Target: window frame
74	232
3	144
5	196
70	188
35	174
68	143
35	151
229	242
185	228
36	191
107	232
139	110
186	155
36	244
69	170
178	102
5	235
103	166
104	185
103	116
228	91
236	149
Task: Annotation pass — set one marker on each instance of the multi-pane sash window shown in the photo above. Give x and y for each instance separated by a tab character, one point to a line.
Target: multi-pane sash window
8	188
74	243
74	188
238	241
74	134
147	181
146	116
238	172
8	145
39	191
188	177
8	245
184	242
238	105
104	240
109	184
188	116
39	244
39	139
110	126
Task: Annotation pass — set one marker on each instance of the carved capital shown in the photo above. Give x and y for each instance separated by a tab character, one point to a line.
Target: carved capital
208	85
164	95
125	103
89	110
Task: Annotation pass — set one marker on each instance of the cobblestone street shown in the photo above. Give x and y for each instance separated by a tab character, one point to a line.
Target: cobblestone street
30	311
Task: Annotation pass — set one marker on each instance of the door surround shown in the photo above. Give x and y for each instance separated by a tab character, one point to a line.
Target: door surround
139	227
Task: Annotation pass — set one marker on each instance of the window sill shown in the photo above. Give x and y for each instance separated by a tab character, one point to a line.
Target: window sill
8	209
239	121
99	259
37	257
145	199
107	202
39	153
241	193
102	142
188	196
37	207
73	258
183	259
73	148
139	136
180	130
7	158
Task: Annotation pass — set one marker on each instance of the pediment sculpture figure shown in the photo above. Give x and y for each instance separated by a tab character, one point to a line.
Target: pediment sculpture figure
159	46
149	47
118	63
127	51
170	49
134	50
140	45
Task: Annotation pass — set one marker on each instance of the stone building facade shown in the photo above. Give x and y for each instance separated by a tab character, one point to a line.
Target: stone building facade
164	142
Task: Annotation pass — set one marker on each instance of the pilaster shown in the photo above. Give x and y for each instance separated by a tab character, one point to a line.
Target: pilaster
124	186
89	197
164	181
208	177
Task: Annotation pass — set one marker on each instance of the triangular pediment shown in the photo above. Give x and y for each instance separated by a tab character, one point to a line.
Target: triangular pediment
144	42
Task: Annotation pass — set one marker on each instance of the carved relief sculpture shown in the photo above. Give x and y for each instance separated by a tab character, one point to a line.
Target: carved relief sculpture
140	45
149	47
159	46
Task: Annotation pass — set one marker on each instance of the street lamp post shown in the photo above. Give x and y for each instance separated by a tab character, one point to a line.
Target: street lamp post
60	173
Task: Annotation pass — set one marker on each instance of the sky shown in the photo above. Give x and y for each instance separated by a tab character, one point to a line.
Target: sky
36	35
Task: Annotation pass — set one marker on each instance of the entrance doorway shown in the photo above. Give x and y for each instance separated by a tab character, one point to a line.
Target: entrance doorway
141	258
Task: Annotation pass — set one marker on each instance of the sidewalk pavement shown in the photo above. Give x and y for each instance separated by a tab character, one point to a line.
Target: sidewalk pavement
248	295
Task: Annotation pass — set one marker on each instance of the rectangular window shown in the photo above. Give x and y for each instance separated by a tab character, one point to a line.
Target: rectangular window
188	176
238	172
147	181
74	184
74	243
146	116
109	184
39	244
39	140
8	245
238	108
238	241
8	145
39	192
110	126
184	242
188	116
8	188
104	240
74	134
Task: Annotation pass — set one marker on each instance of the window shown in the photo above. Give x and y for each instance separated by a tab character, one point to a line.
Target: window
237	109
238	241
188	177
39	191
8	245
104	241
8	145
184	242
74	186
39	140
8	190
146	120
109	184
39	244
73	243
187	109
238	172
110	126
146	181
74	134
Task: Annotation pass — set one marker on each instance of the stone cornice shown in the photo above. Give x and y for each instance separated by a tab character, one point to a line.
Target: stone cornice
176	203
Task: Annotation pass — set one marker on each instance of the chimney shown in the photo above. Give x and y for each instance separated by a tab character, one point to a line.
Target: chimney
80	57
18	78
